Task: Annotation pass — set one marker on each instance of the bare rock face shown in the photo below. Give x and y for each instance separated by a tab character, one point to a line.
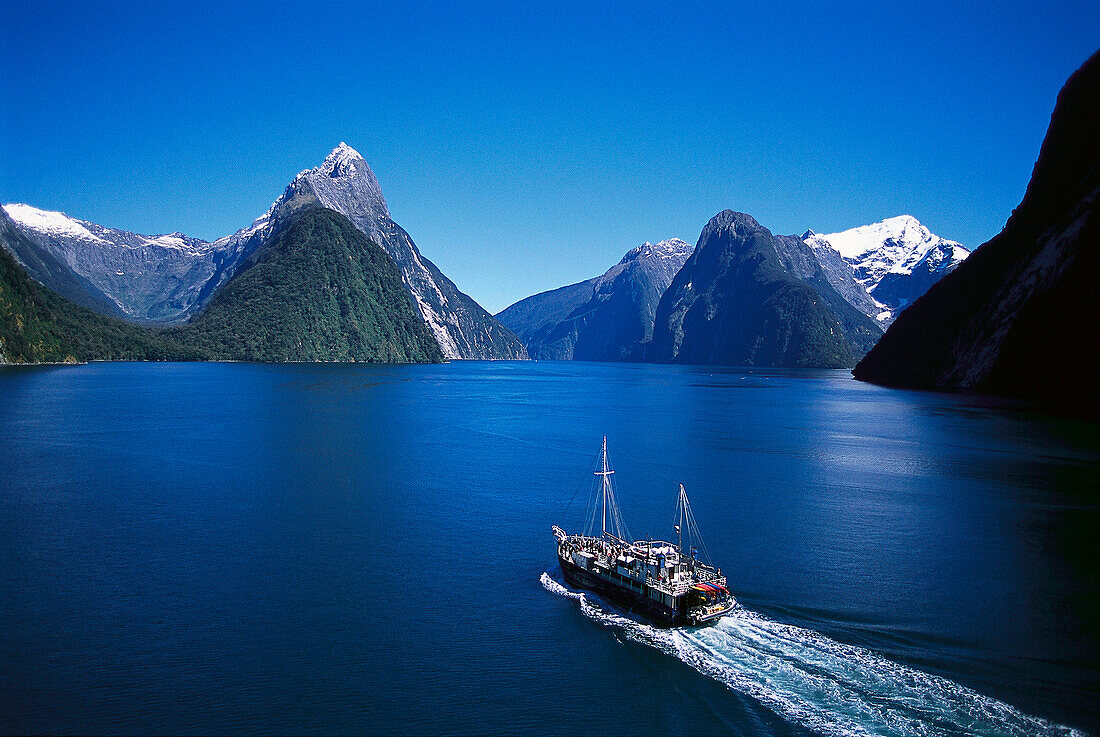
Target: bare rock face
1019	317
151	279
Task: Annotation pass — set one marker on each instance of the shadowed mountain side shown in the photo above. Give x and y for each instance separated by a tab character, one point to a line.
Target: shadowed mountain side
542	321
1019	317
607	318
745	297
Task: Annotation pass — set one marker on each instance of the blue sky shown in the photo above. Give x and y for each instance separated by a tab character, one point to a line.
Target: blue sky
526	146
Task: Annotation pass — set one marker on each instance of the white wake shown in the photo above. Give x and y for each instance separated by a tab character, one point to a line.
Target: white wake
824	685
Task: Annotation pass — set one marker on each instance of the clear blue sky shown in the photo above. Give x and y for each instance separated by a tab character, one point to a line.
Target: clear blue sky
528	146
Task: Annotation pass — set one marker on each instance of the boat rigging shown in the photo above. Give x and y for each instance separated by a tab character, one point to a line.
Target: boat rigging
651	577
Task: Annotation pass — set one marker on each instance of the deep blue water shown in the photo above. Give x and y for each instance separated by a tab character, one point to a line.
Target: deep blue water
333	549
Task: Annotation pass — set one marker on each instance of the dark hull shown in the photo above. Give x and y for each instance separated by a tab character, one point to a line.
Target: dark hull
656	612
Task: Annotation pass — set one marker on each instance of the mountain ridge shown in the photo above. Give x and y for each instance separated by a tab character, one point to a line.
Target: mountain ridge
38	325
606	318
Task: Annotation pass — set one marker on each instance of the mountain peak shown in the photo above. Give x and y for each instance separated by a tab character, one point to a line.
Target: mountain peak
670	248
903	233
737	223
343	182
343	161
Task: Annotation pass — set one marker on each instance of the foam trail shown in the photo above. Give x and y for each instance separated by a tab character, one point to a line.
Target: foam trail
819	683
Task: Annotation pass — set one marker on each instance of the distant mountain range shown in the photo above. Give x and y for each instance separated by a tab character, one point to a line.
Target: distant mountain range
165	279
606	318
1020	316
742	296
875	270
152	279
326	274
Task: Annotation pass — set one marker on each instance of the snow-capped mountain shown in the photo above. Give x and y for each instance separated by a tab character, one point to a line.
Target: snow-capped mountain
345	183
895	260
606	318
150	278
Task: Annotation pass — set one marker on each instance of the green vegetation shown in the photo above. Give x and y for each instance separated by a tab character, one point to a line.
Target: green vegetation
797	329
39	326
319	290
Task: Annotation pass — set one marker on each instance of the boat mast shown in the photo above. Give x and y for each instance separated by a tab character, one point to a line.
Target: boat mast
680	527
689	525
606	486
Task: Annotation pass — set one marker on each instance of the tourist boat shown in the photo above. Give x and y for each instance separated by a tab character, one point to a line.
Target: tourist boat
652	578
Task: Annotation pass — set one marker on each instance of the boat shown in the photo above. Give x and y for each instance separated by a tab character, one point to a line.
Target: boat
652	578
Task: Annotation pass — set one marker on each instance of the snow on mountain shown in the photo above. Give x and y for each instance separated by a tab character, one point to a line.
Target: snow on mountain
50	223
656	258
896	260
896	244
671	249
149	278
59	225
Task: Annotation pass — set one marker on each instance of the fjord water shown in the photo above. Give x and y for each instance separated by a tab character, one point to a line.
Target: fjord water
236	548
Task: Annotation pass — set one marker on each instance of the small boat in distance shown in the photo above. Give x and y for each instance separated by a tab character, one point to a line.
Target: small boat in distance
653	578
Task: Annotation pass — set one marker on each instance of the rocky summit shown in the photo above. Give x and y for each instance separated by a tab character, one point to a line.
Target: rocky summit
345	183
748	297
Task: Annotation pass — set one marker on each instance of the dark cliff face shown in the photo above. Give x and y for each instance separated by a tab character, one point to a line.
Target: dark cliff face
746	297
545	322
608	318
1019	316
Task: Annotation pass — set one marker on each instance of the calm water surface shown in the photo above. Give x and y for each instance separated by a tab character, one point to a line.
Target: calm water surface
235	548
